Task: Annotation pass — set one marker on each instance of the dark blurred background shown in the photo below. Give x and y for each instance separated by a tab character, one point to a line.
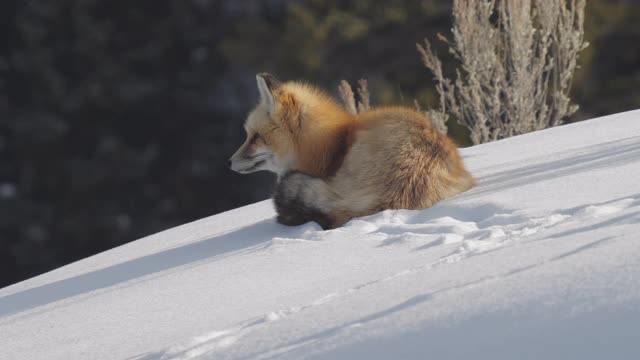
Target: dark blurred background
117	117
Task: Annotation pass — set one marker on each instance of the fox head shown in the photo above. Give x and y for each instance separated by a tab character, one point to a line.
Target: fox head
295	126
270	128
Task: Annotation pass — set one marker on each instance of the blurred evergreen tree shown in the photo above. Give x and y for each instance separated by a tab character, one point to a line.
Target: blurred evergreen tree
113	125
117	117
609	80
324	41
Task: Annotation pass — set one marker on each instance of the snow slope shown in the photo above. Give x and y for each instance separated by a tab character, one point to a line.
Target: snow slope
540	260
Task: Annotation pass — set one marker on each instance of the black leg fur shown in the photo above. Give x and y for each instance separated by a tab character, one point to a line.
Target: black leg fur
291	206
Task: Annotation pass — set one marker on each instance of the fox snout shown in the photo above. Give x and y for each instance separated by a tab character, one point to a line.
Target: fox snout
247	165
242	164
245	161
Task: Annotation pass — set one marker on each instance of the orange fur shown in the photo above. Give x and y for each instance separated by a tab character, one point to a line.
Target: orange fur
350	165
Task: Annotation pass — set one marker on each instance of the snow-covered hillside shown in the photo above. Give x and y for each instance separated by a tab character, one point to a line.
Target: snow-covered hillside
540	261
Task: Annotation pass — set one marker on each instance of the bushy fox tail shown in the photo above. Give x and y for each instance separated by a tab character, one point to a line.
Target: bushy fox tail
300	198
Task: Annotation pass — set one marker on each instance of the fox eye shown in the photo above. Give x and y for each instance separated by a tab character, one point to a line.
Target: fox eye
256	137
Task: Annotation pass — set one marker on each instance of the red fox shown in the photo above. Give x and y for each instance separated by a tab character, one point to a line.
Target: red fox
333	166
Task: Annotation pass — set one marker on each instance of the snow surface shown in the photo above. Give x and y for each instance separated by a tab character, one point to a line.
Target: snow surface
540	260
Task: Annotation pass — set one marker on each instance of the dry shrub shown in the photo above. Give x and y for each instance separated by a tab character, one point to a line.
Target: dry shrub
516	63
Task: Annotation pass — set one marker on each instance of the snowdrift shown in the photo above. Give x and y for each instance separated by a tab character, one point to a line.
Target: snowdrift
540	260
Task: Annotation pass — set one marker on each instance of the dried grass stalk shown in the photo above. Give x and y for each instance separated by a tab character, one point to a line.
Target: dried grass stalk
349	99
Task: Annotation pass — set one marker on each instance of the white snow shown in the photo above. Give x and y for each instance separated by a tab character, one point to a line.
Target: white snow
540	260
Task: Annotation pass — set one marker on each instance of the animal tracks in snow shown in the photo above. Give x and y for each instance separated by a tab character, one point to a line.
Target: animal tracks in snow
462	231
474	230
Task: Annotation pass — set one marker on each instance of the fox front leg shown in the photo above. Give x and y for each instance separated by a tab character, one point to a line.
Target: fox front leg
300	198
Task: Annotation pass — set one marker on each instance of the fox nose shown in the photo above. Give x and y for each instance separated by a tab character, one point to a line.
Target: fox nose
229	163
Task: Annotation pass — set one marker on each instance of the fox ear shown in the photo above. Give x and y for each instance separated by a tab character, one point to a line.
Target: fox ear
267	84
